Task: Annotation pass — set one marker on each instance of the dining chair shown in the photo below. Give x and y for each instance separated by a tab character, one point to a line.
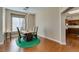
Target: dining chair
35	30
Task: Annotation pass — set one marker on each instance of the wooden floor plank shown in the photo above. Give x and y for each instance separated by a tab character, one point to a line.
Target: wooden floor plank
45	46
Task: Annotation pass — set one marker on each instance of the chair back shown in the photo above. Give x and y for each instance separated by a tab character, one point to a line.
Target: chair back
35	29
19	32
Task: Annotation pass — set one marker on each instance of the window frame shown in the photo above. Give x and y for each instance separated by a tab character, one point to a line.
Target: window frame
17	15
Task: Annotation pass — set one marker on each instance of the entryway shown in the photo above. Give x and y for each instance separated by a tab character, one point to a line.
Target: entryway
72	27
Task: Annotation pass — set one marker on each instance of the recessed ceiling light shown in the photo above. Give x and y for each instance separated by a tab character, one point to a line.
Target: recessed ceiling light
74	11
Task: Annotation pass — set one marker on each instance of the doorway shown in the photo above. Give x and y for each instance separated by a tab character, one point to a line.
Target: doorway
72	29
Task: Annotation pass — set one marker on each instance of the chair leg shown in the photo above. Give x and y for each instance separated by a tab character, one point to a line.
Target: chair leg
35	36
10	36
4	41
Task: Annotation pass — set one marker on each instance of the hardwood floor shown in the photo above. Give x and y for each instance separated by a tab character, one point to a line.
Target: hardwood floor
45	46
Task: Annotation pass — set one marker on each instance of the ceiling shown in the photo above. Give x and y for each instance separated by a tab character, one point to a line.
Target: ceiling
22	9
32	10
73	9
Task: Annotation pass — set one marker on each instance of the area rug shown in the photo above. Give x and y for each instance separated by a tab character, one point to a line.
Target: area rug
30	44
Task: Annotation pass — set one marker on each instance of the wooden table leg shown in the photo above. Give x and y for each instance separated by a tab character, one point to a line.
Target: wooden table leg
6	35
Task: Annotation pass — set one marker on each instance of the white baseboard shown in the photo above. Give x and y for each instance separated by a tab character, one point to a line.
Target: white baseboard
52	39
2	42
63	43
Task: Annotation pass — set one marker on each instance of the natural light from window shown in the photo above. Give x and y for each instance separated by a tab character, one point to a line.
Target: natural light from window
18	22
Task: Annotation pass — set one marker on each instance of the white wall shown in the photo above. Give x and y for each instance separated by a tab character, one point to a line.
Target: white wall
63	29
48	21
4	12
1	27
31	22
63	9
62	25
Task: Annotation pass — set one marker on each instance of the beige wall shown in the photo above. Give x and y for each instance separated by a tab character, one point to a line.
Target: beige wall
1	19
63	29
4	20
48	21
31	21
1	25
62	26
62	9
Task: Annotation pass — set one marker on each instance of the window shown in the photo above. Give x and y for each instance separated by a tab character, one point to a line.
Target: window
18	21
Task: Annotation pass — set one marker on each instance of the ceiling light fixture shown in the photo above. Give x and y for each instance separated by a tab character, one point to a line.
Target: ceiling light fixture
26	8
